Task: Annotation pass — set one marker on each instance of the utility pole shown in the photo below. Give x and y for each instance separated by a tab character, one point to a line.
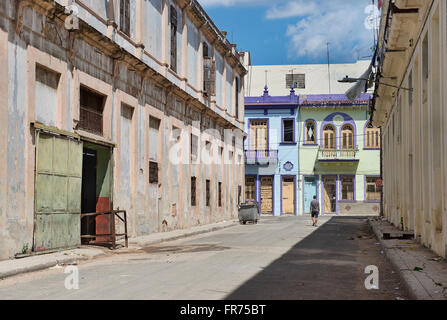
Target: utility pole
328	67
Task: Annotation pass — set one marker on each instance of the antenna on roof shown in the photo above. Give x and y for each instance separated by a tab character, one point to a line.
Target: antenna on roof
266	71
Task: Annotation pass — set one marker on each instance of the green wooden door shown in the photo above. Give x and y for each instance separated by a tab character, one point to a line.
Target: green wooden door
57	192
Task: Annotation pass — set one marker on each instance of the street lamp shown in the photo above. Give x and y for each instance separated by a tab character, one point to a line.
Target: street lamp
354	80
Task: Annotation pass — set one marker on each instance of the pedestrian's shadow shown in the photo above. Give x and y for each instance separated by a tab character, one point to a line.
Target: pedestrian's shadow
321	266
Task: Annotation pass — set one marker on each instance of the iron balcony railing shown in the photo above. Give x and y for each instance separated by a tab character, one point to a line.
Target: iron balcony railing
261	156
338	154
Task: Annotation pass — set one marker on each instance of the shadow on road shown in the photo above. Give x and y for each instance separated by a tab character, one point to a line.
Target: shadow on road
328	264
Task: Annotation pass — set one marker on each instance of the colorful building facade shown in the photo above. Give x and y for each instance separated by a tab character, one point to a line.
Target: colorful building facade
339	155
271	155
303	146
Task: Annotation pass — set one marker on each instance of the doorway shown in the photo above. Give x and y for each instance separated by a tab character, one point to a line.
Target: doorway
96	191
288	195
267	195
310	190
330	194
88	197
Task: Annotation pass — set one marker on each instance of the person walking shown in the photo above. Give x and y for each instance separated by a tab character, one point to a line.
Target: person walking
315	210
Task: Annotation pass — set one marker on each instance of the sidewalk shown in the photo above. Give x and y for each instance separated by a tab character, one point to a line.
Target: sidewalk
14	267
423	272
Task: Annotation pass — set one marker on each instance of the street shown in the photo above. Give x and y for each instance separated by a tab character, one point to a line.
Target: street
280	258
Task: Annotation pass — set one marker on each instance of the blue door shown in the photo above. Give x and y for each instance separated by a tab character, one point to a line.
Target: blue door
310	190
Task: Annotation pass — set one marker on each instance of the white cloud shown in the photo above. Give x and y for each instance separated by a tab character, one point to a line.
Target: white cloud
339	22
230	3
292	9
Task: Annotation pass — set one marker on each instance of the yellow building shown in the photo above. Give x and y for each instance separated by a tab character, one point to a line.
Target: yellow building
412	56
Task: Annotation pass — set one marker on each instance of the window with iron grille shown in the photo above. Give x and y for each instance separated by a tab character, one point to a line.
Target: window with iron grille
297	80
220	194
91	108
373	192
347	188
208	191
153	172
193	191
173	39
209	77
125	17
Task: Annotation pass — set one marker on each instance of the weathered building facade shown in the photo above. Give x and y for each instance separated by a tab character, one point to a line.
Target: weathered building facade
304	142
412	55
94	97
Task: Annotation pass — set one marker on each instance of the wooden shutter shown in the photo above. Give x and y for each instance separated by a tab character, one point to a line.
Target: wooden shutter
125	17
173	39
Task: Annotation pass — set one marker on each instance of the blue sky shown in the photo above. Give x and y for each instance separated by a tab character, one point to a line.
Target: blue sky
295	31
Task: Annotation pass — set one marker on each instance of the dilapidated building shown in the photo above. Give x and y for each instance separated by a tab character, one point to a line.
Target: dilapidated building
94	97
410	104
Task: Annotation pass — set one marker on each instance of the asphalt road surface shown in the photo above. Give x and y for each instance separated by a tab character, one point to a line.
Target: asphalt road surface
279	258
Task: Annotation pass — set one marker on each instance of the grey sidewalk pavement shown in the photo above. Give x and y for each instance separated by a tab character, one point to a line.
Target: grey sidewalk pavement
13	267
423	272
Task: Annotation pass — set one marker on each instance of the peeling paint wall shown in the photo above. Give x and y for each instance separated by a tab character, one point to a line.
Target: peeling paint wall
23	100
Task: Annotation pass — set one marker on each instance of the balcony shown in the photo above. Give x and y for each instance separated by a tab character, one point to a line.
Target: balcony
338	155
261	157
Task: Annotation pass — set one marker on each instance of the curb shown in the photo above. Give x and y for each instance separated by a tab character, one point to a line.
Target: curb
180	236
393	261
409	278
51	262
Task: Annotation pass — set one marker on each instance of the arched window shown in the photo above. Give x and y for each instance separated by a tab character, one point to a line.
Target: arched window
347	137
311	132
372	136
329	137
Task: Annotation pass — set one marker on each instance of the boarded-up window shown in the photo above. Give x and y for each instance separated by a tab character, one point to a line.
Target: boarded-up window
91	108
347	188
194	147
372	137
125	17
250	189
153	172
173	39
47	83
237	97
193	191
373	192
154	128
297	80
208	192
239	194
288	131
220	194
258	135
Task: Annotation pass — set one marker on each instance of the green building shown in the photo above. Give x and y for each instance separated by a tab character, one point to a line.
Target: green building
339	154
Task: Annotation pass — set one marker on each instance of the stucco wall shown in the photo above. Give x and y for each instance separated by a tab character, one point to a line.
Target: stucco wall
148	205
